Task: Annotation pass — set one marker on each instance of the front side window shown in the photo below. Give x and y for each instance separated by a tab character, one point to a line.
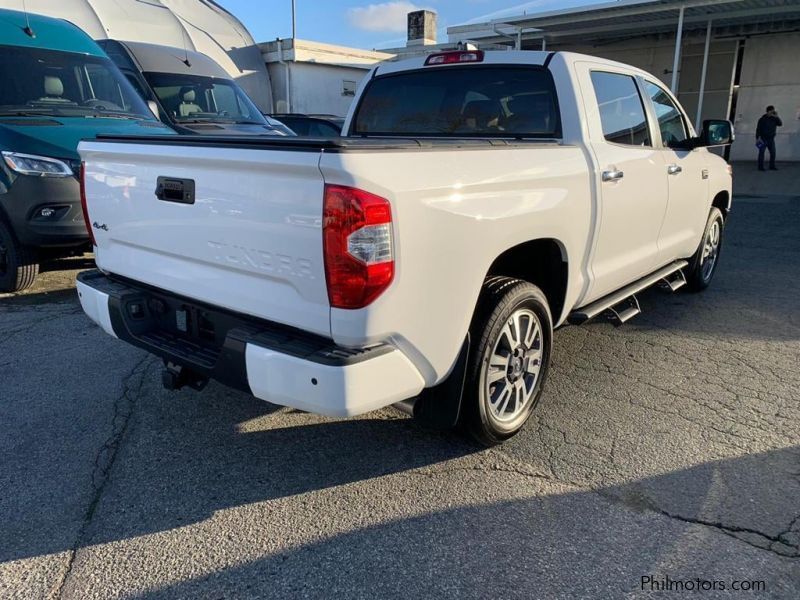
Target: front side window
65	84
670	120
472	101
193	98
621	109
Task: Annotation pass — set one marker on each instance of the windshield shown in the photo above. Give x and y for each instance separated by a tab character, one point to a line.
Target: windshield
469	101
192	98
66	84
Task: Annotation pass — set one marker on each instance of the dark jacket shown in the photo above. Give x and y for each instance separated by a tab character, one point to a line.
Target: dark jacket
767	126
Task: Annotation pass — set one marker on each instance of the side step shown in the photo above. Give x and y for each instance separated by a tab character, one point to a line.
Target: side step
625	310
605	303
674	282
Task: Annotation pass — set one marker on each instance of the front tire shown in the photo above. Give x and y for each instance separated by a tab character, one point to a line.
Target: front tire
508	365
18	265
705	261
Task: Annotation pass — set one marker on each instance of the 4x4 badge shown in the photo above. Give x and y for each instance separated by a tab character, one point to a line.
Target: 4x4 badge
104	227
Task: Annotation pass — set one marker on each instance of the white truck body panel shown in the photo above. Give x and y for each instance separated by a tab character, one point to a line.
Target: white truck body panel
451	223
252	242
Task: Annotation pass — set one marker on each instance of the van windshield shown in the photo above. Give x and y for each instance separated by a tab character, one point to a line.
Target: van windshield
52	82
193	98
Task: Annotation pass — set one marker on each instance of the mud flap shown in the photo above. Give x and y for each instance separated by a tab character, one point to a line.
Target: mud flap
440	406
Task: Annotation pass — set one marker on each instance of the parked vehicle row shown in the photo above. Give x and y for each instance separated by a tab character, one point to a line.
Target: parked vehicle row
60	86
57	88
191	93
475	202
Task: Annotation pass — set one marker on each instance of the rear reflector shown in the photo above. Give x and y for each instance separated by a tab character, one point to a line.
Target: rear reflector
83	204
455	57
357	239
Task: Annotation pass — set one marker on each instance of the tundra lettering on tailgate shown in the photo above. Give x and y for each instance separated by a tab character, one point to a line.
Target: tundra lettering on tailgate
262	260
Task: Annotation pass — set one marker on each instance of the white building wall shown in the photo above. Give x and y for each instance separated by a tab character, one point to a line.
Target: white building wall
315	88
656	56
770	75
323	77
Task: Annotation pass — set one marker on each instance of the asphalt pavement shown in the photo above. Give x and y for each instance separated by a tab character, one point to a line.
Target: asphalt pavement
667	448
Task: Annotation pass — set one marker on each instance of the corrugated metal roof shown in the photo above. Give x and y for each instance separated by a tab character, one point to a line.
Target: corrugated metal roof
641	17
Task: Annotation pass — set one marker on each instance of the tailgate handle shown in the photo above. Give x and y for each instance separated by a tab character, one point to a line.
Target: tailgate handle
172	189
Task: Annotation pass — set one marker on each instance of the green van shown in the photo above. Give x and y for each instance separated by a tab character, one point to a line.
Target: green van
58	87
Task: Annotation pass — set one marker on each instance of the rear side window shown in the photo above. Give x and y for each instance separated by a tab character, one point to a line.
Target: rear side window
461	102
621	109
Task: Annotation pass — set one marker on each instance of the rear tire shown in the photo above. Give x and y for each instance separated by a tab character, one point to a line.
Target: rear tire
18	265
705	261
509	361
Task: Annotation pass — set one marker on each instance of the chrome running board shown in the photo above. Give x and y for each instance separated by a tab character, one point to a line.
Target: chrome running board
626	293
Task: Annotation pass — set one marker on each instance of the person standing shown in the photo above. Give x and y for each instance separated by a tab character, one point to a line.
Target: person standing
765	136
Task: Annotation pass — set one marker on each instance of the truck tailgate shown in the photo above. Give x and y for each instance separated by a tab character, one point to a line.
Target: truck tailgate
248	237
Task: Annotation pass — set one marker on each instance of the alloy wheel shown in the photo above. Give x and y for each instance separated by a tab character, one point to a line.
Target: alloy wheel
514	366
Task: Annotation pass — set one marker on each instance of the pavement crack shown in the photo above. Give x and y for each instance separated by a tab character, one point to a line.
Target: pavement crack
781	544
124	406
503	464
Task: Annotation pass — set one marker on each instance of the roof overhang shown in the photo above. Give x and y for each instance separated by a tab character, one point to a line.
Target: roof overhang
625	18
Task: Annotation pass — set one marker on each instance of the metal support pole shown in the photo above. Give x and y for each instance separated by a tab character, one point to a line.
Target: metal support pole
544	44
519	38
677	60
698	117
294	22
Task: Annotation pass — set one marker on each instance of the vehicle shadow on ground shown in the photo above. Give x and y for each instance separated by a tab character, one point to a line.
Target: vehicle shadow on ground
33	298
187	455
73	263
576	544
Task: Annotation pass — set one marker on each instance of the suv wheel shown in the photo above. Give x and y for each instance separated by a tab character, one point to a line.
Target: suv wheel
18	266
513	333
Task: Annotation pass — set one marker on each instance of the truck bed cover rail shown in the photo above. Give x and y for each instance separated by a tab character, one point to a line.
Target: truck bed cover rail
325	144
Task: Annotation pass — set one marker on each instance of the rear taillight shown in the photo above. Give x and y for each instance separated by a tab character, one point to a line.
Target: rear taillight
83	204
455	57
357	239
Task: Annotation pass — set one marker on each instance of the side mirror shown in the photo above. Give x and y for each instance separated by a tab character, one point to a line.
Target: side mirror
153	108
716	132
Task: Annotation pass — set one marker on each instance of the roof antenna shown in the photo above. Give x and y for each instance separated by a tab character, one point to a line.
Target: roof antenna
27	29
185	49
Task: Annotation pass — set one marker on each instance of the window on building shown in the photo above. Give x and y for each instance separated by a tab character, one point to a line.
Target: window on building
349	88
621	109
670	121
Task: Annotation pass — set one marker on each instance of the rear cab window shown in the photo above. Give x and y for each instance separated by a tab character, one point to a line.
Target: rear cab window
622	113
464	101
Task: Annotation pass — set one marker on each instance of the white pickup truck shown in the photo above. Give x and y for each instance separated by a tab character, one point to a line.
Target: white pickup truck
475	202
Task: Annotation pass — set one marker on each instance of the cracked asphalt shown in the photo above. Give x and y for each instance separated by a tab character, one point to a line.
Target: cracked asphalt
667	448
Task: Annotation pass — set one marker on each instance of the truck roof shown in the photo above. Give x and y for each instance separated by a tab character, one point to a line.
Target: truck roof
49	33
154	58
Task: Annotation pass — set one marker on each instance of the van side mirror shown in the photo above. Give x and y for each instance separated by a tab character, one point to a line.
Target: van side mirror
716	132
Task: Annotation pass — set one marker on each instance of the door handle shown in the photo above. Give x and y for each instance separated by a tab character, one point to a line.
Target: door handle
612	175
172	189
674	169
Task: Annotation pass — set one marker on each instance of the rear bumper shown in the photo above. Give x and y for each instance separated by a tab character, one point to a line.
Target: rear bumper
272	362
